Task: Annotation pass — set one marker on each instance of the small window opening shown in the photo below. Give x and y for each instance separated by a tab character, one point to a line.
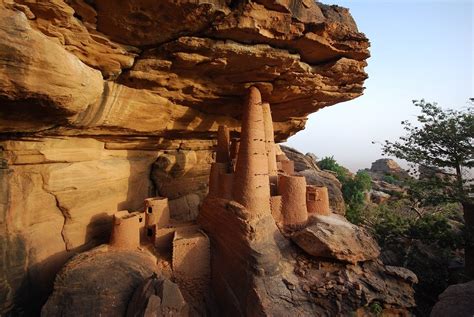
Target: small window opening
149	232
149	210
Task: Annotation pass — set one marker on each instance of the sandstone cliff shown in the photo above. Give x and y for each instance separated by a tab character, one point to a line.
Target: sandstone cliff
105	103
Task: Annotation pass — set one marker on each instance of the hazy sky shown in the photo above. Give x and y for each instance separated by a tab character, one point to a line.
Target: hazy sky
419	49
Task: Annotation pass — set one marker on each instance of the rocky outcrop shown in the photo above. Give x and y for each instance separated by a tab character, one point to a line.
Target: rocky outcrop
387	167
432	172
387	181
302	161
337	288
378	197
105	103
247	272
284	280
402	272
335	237
42	84
387	188
99	282
193	75
157	297
456	300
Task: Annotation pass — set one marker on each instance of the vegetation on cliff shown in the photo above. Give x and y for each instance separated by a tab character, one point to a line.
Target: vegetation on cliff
353	189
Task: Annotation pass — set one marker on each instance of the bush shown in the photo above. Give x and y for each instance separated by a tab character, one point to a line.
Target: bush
375	308
353	188
426	245
353	191
330	164
389	179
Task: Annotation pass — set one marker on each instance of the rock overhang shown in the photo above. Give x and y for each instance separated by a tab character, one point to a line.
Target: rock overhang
180	63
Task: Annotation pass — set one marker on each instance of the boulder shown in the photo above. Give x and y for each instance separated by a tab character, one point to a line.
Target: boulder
99	282
384	187
378	197
336	238
302	161
457	300
157	297
312	158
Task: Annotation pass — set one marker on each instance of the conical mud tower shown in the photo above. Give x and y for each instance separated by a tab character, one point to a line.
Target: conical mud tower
251	182
223	144
269	139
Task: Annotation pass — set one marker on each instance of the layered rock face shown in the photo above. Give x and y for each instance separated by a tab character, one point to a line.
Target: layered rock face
105	103
168	80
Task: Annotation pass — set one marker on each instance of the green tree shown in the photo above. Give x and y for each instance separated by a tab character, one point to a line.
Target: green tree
353	191
353	187
443	143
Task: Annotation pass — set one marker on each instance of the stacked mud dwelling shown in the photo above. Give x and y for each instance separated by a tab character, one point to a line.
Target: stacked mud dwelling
189	245
251	172
255	203
254	172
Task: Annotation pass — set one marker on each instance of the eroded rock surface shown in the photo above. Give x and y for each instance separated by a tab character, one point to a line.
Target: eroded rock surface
99	282
456	300
335	237
58	195
157	297
305	56
387	167
302	161
286	280
338	289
